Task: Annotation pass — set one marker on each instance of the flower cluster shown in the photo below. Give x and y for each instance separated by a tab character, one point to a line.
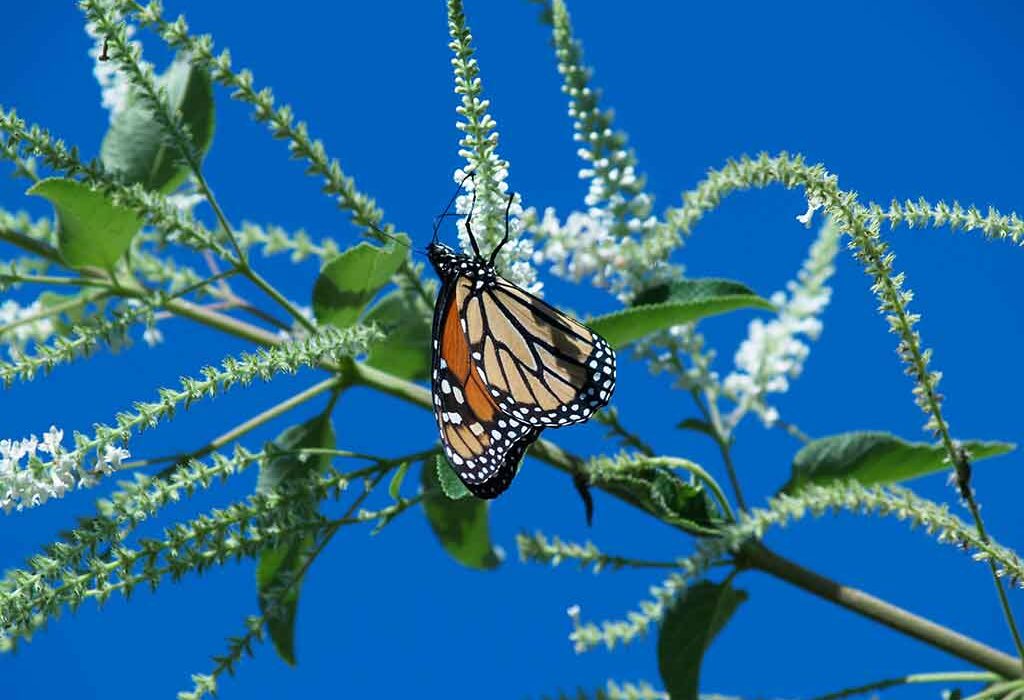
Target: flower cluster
773	352
515	256
21	324
36	482
486	191
114	86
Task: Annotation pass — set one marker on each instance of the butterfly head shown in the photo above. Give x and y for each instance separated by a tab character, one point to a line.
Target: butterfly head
448	262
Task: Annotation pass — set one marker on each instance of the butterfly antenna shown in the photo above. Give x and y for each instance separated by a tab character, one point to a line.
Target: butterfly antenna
508	209
469	228
451	203
395	238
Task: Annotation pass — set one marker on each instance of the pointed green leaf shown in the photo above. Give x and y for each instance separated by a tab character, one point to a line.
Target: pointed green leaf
687	631
681	302
697	425
137	149
279	565
405	323
395	486
448	480
877	458
275	569
660	490
92	231
461	526
352	279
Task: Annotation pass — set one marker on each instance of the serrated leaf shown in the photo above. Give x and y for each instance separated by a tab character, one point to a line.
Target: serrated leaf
448	480
660	490
405	323
277	566
681	302
462	526
92	231
136	147
876	458
350	281
688	629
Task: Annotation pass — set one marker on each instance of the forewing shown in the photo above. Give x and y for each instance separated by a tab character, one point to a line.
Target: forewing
538	364
483	444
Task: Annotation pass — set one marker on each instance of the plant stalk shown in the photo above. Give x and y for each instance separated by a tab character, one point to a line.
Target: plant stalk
757	556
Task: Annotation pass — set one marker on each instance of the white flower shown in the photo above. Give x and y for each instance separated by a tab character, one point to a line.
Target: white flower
488	225
773	352
32	483
153	336
814	203
17	336
112	458
185	201
114	86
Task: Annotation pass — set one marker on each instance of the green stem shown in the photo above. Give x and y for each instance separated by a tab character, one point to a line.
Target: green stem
54	310
711	414
758	557
256	421
949	677
272	292
31	245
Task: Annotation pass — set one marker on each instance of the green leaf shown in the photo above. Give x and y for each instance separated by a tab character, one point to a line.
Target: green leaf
461	525
670	305
449	481
279	565
276	567
687	631
348	282
137	149
283	464
876	458
699	426
395	486
661	491
92	231
405	322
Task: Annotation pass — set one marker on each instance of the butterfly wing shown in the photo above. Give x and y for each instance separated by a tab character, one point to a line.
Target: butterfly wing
483	443
539	365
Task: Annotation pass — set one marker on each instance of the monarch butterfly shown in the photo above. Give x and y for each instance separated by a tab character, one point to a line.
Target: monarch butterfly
506	365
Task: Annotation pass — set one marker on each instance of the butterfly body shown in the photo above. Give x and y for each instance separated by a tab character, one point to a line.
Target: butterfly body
506	365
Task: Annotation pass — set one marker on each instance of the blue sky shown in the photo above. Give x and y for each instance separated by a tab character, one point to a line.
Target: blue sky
900	100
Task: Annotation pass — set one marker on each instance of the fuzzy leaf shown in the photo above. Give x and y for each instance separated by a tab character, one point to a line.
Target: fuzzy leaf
661	491
876	458
277	566
92	231
462	525
137	149
687	631
671	305
350	281
405	323
449	481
